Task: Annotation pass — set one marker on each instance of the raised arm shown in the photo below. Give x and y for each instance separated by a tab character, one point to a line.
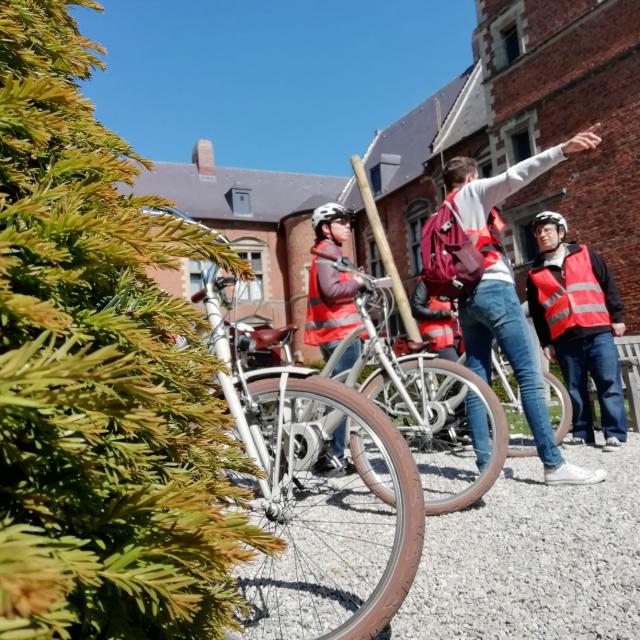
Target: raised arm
492	191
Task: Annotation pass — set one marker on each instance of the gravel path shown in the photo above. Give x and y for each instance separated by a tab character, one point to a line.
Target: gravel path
535	561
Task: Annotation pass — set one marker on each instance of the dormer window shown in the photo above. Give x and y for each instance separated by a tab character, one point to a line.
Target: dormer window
239	199
382	173
376	179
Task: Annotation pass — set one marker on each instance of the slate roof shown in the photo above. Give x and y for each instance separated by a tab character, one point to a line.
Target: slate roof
410	138
274	195
468	114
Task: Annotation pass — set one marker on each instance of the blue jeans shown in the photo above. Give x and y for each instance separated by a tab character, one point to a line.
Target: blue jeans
596	355
346	362
493	311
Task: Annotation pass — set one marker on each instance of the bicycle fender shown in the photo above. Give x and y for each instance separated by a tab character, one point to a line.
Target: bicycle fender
271	372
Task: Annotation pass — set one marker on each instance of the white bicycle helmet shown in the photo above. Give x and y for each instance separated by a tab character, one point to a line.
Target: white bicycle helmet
328	212
550	217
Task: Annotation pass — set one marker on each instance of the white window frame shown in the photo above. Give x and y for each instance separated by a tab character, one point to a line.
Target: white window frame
254	291
375	266
194	276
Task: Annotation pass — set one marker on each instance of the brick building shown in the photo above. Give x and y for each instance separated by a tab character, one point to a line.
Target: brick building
552	68
265	214
543	69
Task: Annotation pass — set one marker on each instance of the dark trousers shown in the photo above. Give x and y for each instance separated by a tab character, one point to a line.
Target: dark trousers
594	355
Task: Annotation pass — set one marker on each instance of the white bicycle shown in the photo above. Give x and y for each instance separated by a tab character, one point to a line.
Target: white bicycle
350	558
521	441
426	398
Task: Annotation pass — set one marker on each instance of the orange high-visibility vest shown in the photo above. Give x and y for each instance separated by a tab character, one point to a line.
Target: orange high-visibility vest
327	322
439	334
580	303
487	239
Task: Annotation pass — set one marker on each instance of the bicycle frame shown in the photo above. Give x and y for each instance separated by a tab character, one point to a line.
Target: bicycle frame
498	367
379	349
230	382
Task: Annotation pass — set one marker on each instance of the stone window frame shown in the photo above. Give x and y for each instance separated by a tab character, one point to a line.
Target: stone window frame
513	16
484	159
416	214
375	266
528	122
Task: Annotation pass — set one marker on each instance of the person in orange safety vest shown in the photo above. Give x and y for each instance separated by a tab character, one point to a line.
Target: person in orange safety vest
577	309
437	321
332	314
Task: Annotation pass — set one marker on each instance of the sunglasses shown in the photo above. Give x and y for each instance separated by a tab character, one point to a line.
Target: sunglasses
343	222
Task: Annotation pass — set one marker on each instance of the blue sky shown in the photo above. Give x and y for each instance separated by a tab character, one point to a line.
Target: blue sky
279	85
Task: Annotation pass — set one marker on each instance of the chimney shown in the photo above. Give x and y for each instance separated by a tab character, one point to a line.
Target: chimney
203	158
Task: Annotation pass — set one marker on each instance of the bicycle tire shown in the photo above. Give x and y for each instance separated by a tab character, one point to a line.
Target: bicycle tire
521	443
450	478
332	521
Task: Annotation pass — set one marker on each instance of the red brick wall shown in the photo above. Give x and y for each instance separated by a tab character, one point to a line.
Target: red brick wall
274	307
173	282
489	8
546	19
392	210
603	36
299	236
586	75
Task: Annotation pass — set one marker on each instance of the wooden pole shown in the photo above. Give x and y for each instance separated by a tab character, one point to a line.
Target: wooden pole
385	252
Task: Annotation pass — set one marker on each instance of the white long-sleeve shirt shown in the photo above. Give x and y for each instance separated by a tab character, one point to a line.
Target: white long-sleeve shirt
476	199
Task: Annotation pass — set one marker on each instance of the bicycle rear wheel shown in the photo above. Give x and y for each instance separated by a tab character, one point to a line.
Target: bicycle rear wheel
521	442
441	443
350	558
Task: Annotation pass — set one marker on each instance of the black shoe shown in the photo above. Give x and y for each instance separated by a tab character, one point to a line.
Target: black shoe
331	466
323	465
349	467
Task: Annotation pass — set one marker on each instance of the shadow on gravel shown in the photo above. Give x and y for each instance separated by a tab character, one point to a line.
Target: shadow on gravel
338	499
253	590
525	480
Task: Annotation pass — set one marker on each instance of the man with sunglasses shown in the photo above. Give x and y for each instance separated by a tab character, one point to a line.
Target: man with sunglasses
331	313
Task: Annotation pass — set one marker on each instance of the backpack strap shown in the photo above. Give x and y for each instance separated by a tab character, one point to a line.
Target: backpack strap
456	215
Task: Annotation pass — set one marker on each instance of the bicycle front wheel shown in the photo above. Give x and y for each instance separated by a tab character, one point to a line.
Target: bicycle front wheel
457	467
521	442
350	558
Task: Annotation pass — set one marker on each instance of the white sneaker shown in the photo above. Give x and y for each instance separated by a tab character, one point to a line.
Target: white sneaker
568	473
612	444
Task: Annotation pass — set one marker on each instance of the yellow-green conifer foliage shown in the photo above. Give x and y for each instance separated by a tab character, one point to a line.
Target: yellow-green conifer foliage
116	520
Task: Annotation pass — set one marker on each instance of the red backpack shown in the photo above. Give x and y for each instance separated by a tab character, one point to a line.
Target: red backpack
451	264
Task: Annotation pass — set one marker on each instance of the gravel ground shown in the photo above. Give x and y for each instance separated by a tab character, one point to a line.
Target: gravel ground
535	561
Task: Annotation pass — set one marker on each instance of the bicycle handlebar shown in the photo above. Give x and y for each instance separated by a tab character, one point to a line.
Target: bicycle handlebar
219	284
344	264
